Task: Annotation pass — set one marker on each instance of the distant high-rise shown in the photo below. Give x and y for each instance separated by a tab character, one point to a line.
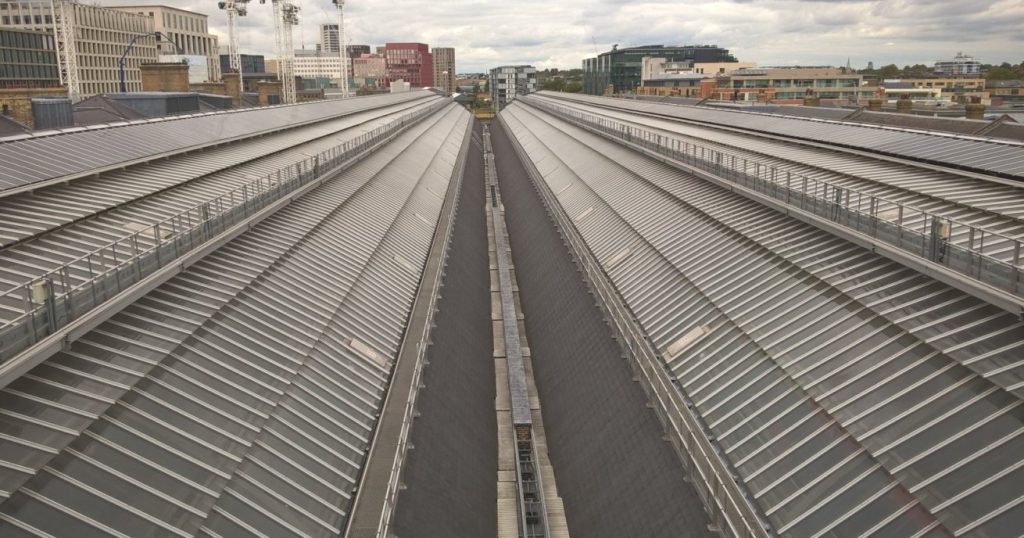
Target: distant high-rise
329	38
622	67
410	62
444	69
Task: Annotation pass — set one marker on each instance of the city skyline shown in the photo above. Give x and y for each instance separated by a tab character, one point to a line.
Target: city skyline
770	32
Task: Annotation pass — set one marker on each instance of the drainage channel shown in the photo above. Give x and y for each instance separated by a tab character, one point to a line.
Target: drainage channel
528	501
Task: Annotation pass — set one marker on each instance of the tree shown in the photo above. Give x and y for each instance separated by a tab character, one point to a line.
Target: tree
889	71
1000	73
574	87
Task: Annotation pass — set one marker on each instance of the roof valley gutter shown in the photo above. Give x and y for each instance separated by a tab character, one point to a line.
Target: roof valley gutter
728	502
378	486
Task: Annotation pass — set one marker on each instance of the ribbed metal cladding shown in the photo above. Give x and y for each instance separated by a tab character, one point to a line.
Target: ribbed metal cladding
1003	158
238	397
450	473
853	395
616	474
43	158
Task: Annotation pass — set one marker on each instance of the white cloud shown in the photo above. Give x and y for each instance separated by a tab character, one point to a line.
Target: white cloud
560	33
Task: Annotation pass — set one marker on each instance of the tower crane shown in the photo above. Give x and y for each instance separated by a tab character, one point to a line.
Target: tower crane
343	48
67	48
234	9
286	15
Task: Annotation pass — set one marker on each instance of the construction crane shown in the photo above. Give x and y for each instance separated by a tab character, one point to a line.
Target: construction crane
343	48
67	49
286	15
234	9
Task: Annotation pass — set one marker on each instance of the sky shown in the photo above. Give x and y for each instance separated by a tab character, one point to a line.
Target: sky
560	33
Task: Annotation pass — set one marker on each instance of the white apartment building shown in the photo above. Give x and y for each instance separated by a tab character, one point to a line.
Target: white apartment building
187	31
311	64
444	69
102	34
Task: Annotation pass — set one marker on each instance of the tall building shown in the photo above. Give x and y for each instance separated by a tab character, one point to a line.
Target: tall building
510	81
251	63
960	65
622	68
102	36
410	62
28	59
187	31
444	69
329	38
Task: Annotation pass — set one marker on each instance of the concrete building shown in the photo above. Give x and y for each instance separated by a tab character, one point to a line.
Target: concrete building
1006	91
950	89
369	70
313	64
410	62
622	68
103	36
187	30
510	81
651	67
790	85
444	69
960	65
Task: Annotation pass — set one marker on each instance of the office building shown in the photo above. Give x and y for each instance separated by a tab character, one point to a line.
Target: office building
369	69
622	68
188	33
960	65
510	81
444	69
103	35
410	62
28	59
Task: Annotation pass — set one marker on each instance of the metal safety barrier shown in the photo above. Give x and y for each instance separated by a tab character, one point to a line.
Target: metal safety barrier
972	251
59	297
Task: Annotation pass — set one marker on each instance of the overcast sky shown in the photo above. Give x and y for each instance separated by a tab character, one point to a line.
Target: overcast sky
560	33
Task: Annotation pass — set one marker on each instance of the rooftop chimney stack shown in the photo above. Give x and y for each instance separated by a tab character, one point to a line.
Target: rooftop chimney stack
904	105
974	110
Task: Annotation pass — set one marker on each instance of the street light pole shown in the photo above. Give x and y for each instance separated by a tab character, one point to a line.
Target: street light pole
121	62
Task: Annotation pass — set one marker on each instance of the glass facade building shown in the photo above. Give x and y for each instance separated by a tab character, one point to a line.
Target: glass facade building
623	68
28	60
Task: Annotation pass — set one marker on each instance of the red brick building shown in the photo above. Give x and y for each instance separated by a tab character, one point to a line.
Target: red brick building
410	62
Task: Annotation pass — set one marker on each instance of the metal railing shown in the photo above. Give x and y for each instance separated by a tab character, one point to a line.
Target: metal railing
394	487
972	251
730	507
61	296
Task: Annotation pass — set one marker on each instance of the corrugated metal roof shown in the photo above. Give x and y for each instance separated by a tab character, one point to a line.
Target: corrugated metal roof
1002	158
238	396
849	392
84	151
